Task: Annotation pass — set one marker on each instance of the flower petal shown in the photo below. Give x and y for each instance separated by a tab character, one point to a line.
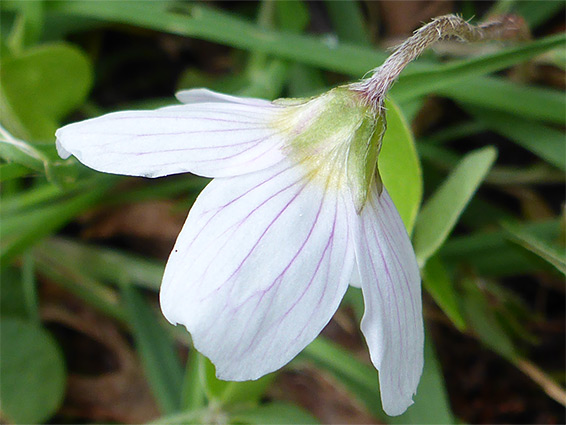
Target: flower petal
209	139
392	323
259	269
205	95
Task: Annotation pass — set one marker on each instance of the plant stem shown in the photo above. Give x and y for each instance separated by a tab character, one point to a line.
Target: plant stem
375	88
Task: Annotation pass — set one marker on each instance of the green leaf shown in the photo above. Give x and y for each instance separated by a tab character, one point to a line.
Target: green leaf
399	166
490	254
199	21
193	396
203	22
437	282
156	349
32	372
545	142
439	215
503	96
41	86
292	15
348	21
12	297
360	379
537	12
20	231
448	77
107	264
12	171
482	319
273	413
549	252
231	393
28	25
19	152
71	277
431	401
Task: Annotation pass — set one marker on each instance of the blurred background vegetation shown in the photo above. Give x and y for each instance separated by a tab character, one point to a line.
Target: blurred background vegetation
81	336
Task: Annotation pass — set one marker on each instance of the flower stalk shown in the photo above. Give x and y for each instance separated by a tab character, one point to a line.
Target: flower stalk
376	87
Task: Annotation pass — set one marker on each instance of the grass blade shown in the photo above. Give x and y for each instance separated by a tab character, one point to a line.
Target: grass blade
440	213
157	351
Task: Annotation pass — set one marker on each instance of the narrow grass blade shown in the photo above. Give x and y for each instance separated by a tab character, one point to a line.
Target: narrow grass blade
545	250
273	413
417	82
489	253
157	351
437	282
545	142
503	96
22	230
439	215
348	21
193	395
106	264
431	401
195	20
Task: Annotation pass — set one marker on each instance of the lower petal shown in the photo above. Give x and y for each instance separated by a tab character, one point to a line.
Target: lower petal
391	285
259	269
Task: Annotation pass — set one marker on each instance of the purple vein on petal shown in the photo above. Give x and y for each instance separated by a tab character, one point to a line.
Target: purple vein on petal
329	246
279	278
234	227
393	292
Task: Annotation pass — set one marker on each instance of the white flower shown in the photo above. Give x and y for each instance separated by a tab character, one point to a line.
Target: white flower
295	213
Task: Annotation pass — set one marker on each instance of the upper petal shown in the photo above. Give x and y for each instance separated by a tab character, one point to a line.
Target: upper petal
210	139
391	285
205	96
259	269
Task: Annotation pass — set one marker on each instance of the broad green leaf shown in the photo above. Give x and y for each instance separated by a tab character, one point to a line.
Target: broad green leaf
503	96
437	282
272	414
440	213
32	372
156	349
399	166
40	86
547	251
545	142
